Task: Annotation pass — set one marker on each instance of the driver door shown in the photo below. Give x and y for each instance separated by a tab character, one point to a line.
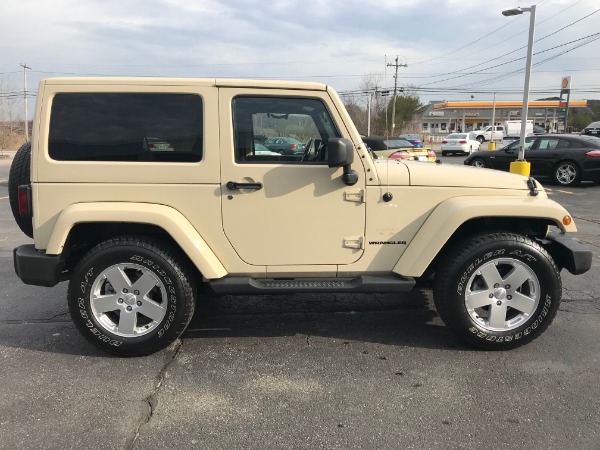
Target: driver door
286	209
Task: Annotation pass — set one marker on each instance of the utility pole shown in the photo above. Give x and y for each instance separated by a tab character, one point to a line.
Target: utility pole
25	68
396	65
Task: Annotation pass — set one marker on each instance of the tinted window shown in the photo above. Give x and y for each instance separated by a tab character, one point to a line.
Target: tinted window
126	127
529	141
298	130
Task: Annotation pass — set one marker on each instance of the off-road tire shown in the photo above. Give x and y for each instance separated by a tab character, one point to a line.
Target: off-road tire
458	287
168	292
20	173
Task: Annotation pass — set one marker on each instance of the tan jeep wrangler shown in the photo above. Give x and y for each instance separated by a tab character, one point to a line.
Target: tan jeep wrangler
137	190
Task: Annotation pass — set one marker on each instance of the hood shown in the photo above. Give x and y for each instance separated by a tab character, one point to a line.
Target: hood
417	173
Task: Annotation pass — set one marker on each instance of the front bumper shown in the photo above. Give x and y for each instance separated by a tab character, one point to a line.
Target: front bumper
568	252
37	268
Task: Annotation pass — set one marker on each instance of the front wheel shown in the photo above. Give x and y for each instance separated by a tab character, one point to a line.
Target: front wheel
480	139
497	291
566	173
131	296
478	162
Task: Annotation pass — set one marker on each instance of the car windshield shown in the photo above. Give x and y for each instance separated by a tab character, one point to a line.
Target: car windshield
397	143
594	125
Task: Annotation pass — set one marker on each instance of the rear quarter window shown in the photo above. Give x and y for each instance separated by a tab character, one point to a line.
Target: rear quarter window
126	127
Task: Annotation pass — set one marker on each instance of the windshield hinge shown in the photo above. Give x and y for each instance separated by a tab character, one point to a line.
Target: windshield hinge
532	185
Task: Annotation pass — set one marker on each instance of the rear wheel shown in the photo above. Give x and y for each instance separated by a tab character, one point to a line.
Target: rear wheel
478	162
131	296
566	173
497	291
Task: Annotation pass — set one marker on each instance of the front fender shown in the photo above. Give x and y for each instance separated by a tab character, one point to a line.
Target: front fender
165	217
452	213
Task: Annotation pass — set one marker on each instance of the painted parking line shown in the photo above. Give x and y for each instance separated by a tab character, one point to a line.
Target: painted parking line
552	191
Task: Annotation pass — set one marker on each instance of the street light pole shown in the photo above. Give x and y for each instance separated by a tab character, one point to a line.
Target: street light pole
520	165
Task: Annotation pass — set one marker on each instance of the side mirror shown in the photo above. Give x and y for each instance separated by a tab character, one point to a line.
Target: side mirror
340	153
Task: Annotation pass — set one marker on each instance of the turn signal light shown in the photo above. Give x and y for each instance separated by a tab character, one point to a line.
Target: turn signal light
567	220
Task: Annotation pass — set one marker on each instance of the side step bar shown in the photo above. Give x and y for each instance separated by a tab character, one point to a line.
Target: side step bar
262	286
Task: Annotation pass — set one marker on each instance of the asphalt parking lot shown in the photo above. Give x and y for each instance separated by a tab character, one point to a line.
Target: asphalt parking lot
302	371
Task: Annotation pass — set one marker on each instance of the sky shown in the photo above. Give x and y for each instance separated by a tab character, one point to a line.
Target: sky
453	49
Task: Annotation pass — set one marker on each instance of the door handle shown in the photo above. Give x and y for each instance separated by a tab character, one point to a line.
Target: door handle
233	186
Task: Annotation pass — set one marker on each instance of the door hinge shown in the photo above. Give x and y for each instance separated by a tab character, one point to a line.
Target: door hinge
357	242
355	195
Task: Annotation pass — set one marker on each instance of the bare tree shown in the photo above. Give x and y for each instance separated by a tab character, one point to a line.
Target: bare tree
9	124
357	103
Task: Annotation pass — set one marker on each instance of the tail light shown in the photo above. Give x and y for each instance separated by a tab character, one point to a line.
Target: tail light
463	142
293	146
400	155
24	200
593	153
431	154
444	141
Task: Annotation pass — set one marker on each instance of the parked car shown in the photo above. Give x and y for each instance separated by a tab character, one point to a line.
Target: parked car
538	129
284	145
414	139
260	149
459	143
485	134
395	148
565	159
593	129
155	144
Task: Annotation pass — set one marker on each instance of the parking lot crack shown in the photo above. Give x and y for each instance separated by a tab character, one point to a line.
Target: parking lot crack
53	319
151	401
587	220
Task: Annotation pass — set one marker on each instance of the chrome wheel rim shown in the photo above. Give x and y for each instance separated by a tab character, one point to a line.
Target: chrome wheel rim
478	163
128	300
502	294
565	174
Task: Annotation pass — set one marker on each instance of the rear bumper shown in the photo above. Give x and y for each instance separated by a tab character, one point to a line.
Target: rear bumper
568	252
37	268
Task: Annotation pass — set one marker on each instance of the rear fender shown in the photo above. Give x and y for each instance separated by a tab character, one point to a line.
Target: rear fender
165	217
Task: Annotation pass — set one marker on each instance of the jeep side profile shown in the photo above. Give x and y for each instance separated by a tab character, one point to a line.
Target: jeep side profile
137	190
